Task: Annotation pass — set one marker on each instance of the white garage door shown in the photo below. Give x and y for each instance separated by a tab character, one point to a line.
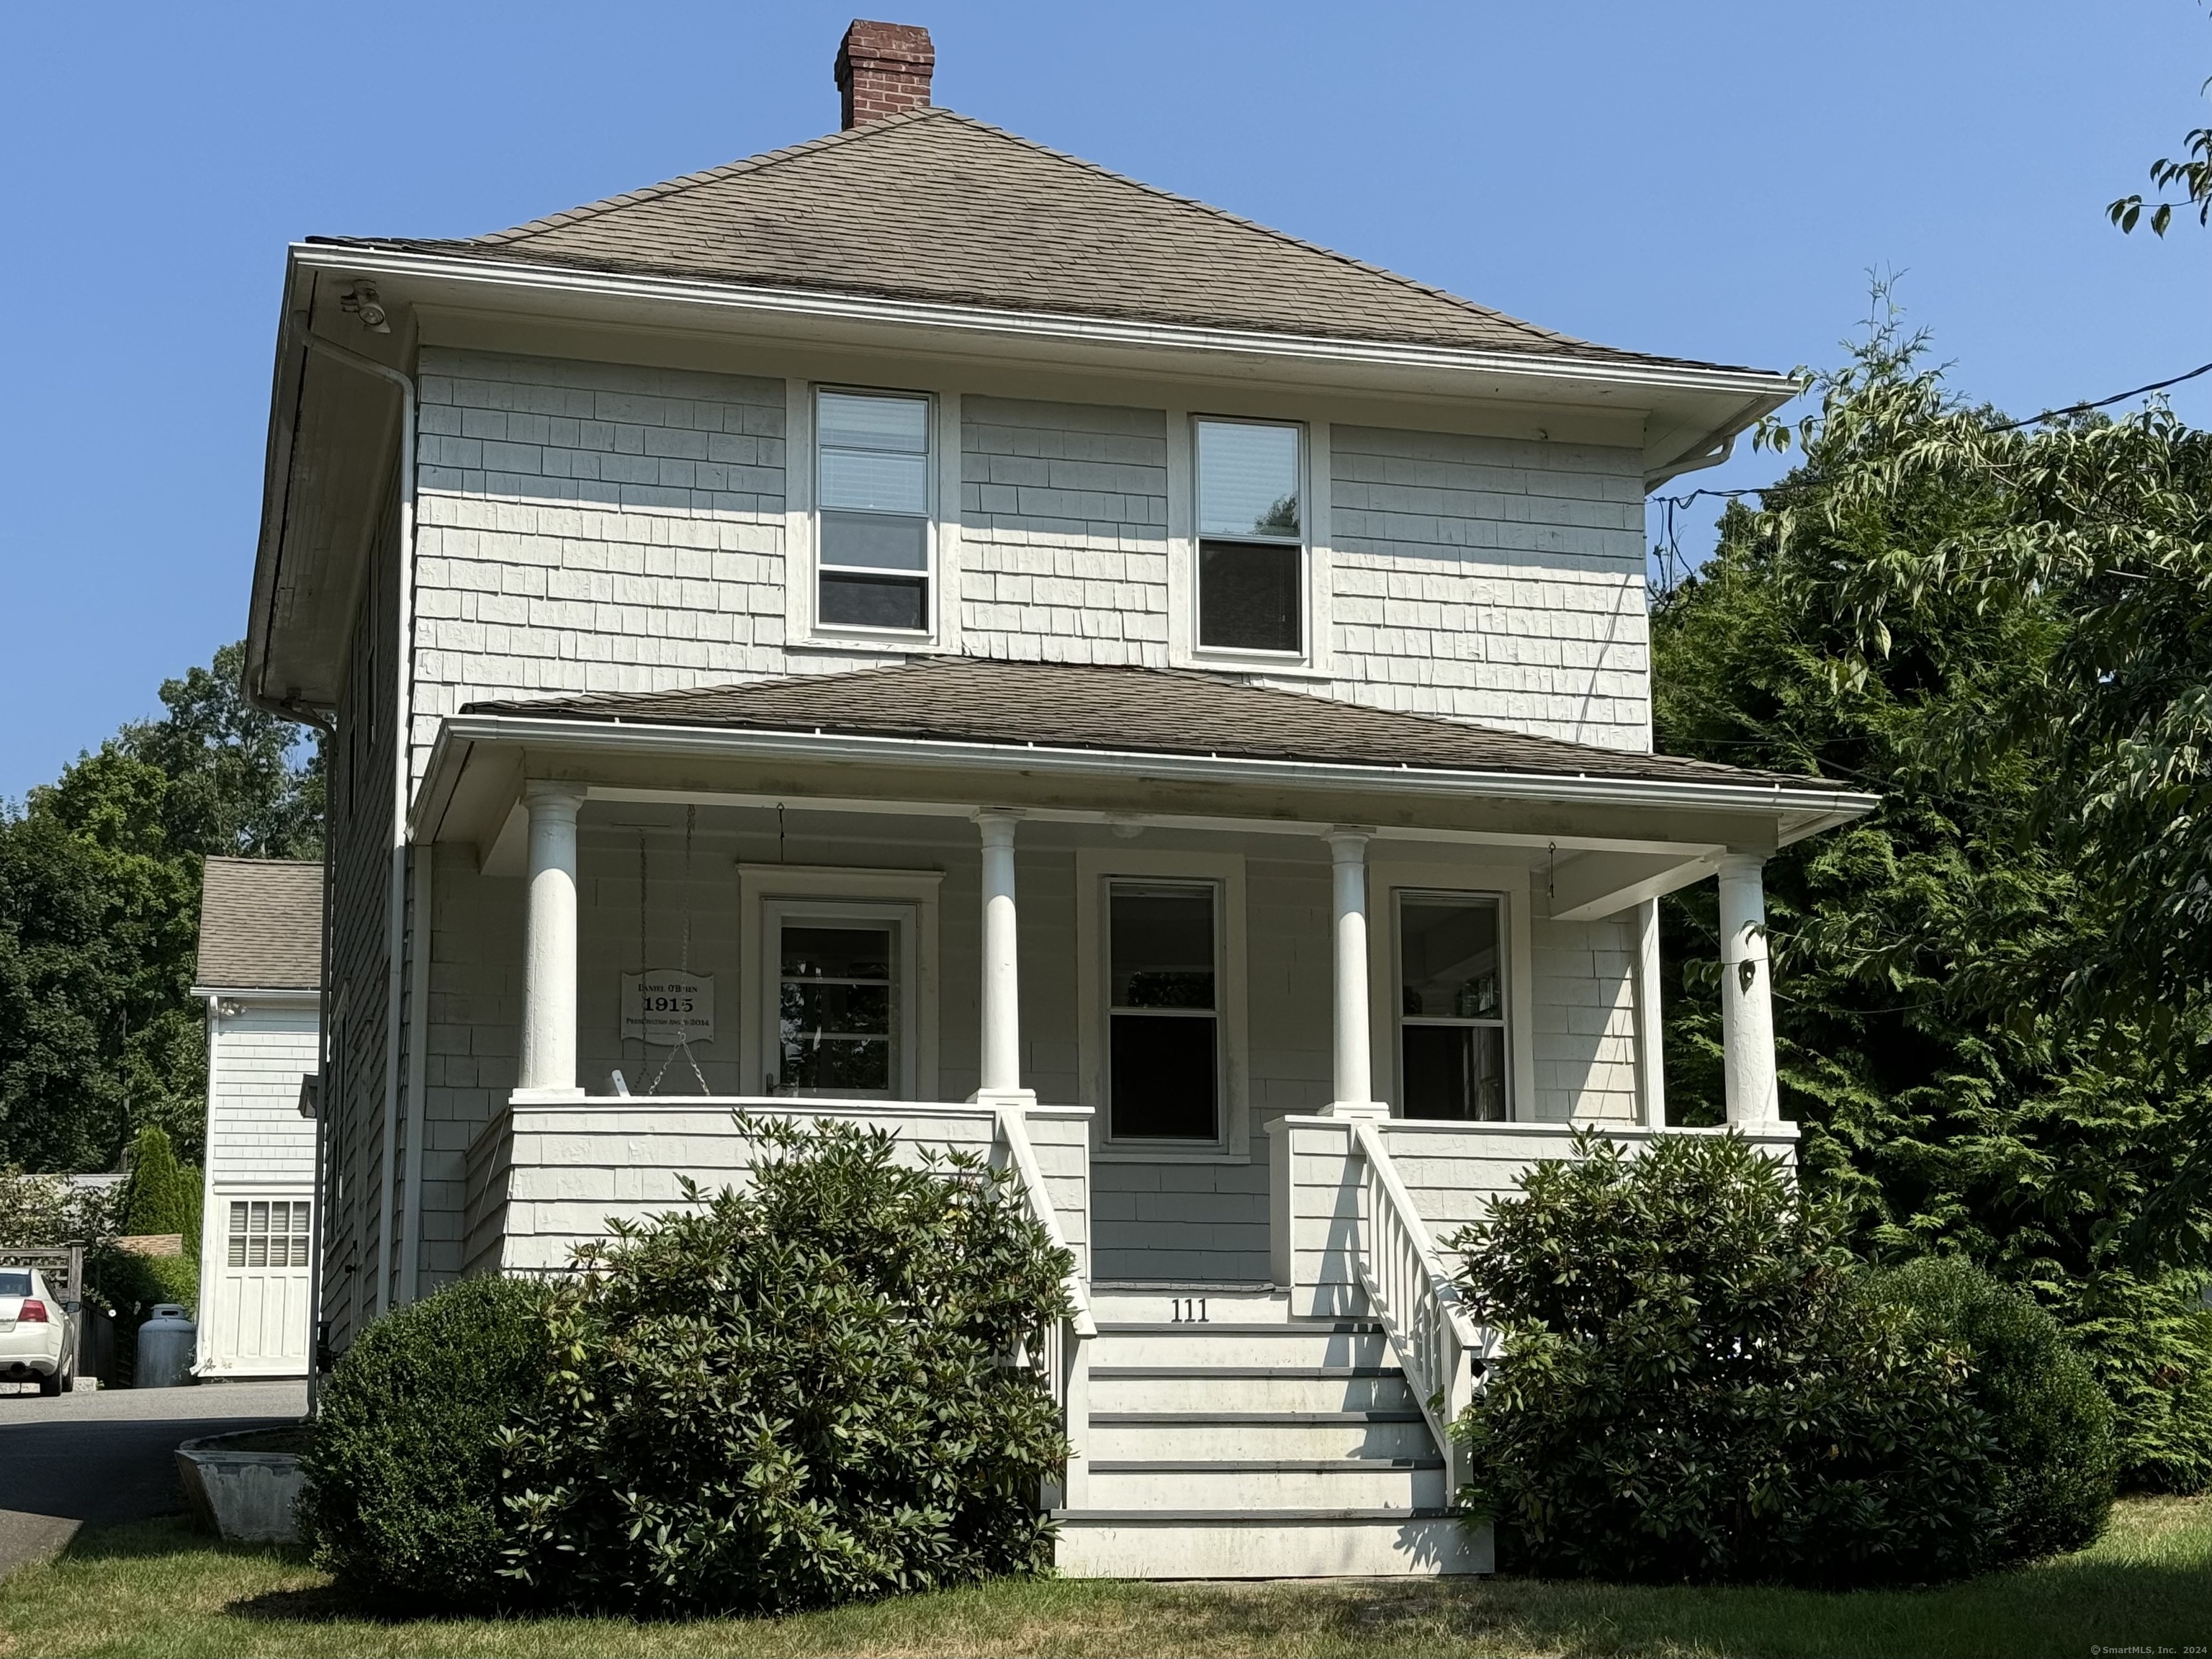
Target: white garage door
261	1301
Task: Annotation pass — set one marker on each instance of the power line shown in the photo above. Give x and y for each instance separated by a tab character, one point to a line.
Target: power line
1670	550
2116	398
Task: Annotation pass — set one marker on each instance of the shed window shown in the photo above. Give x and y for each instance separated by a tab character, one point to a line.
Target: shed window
871	474
1251	537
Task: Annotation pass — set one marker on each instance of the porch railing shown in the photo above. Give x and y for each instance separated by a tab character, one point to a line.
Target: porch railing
1434	1336
1066	1361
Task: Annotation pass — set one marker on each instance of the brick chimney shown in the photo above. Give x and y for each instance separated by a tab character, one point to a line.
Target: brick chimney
883	70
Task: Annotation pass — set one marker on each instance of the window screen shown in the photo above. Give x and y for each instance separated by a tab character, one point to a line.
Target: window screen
1451	1007
873	488
269	1234
1164	1049
1251	553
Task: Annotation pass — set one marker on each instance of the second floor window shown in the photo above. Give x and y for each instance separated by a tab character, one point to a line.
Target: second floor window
871	476
1251	537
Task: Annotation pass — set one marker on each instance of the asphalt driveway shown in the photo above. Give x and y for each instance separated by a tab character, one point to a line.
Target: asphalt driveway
105	1456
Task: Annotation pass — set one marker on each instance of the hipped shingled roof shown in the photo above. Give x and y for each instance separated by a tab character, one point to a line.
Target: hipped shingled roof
1129	710
261	925
933	206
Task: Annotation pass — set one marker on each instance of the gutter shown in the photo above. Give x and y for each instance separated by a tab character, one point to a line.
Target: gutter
457	732
399	851
1047	325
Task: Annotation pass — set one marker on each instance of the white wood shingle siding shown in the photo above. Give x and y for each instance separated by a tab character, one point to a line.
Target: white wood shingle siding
255	1132
1064	529
1492	580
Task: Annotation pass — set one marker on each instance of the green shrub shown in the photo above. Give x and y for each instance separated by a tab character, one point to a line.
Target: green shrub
404	1477
2150	1342
2052	1422
1697	1384
164	1195
799	1393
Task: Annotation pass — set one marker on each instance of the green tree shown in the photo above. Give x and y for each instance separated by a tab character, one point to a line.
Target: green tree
1975	1070
100	879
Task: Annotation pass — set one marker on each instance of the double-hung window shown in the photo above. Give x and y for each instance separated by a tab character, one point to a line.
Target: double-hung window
1451	1014
1251	537
1164	1014
872	496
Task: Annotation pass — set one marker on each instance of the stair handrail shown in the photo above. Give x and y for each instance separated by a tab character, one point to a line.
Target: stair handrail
1412	1293
1064	1362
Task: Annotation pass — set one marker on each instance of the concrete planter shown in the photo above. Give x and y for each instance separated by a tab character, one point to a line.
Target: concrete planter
240	1492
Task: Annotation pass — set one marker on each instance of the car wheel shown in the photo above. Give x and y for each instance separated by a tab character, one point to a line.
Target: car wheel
50	1384
69	1379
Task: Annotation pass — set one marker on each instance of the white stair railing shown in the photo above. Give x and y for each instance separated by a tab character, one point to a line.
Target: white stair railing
1434	1336
1066	1361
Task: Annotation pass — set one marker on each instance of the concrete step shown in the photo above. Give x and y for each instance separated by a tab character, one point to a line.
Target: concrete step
1298	1543
1249	1484
1304	1342
1186	1435
1213	1389
1170	1304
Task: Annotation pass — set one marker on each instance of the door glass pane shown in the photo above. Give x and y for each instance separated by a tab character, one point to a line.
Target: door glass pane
838	1006
1447	957
1248	479
1162	945
1247	596
237	1256
1165	1069
1455	1072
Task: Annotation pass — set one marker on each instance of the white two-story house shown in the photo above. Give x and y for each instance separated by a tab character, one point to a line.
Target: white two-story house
917	627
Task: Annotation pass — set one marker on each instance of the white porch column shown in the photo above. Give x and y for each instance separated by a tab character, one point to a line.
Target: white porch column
1747	1004
1001	1053
548	963
1355	1075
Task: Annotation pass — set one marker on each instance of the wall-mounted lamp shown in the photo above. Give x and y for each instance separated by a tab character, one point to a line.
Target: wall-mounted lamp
360	300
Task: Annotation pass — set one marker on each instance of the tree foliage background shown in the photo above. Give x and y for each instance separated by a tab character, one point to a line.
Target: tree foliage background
1995	1043
99	884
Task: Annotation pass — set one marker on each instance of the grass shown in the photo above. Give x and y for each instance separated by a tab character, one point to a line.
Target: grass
158	1589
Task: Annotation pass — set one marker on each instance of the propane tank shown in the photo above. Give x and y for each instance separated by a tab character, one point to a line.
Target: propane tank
165	1343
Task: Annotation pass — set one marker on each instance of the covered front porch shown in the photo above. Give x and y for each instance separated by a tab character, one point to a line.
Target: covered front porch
688	906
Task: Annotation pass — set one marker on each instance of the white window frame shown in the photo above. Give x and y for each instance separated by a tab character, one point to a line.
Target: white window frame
1309	618
1095	867
766	892
804	627
1386	881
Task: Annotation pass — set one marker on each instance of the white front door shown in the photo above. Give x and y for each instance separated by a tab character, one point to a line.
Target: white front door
259	1298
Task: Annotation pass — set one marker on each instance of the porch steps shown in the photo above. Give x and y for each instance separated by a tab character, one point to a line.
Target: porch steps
1229	1440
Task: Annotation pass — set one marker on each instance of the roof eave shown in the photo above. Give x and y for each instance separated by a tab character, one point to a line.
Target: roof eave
457	734
1565	370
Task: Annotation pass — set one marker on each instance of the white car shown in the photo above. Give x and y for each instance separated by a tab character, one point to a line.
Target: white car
38	1332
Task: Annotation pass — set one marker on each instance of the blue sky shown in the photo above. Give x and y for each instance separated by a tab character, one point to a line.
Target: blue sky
1706	180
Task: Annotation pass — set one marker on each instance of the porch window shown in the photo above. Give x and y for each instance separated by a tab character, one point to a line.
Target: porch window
1163	1046
871	486
1251	548
1451	1022
840	1022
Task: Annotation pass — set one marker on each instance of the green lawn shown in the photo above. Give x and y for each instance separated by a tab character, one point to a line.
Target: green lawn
157	1589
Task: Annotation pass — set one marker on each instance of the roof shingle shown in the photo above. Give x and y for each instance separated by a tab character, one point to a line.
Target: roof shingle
261	925
1140	710
935	206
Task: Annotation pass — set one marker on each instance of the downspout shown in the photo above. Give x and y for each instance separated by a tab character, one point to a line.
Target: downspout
209	1332
396	909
